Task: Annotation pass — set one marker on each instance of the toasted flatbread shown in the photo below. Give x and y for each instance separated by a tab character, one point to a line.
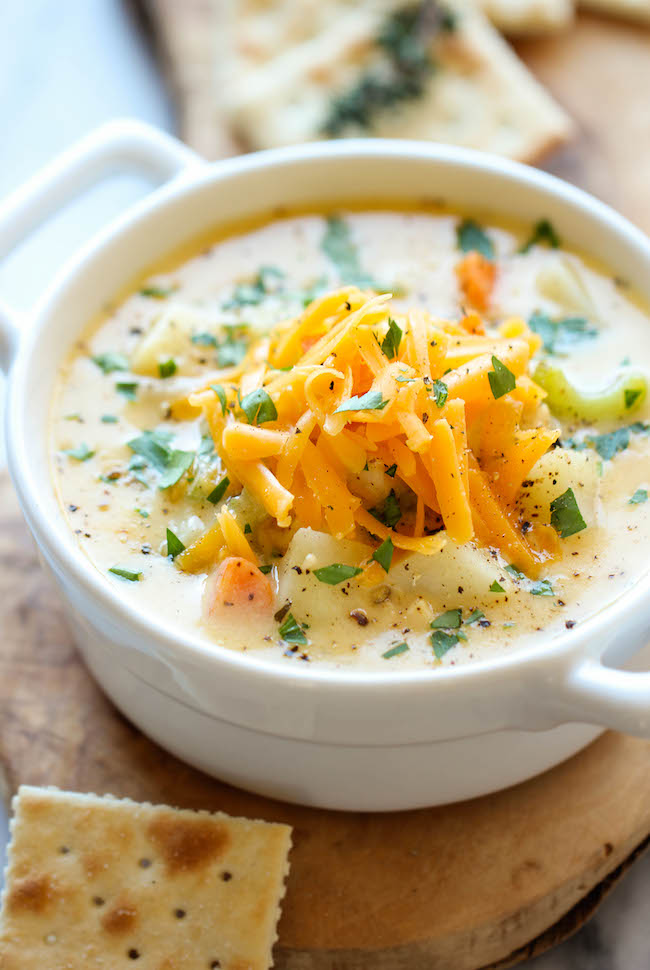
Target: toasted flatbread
529	16
633	9
298	70
105	882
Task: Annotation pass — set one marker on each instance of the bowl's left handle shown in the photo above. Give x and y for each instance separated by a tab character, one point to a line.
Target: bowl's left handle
116	146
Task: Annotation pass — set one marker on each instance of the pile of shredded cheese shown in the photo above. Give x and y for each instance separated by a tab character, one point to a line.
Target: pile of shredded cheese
447	407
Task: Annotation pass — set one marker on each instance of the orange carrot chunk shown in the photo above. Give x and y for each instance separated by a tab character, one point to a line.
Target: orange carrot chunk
476	278
235	585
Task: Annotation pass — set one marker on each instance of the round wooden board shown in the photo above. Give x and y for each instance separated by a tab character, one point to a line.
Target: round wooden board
459	887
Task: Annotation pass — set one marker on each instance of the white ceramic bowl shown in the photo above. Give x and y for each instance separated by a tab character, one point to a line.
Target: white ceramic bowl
347	740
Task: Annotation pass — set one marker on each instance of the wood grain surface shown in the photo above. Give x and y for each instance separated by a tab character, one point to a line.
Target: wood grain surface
452	888
486	883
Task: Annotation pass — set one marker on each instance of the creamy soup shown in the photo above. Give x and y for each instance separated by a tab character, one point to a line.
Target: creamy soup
378	438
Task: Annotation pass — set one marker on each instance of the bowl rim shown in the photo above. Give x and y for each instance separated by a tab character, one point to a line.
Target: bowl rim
578	642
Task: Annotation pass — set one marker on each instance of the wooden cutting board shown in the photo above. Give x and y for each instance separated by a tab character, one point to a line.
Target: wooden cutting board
482	883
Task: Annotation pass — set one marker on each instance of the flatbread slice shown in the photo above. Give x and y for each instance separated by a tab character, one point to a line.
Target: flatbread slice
633	9
106	883
299	70
529	16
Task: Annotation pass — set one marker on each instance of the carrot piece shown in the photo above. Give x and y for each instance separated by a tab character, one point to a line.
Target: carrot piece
237	585
444	466
476	277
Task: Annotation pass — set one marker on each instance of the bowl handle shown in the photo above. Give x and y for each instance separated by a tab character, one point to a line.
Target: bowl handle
116	146
595	694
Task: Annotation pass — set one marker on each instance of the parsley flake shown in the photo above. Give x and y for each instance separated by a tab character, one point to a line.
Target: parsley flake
390	343
125	573
174	545
441	641
391	471
81	453
543	232
291	632
221	394
219	490
471	237
370	401
566	517
127	389
156	292
474	617
450	620
258	407
440	392
542	587
560	336
336	573
170	463
383	554
390	513
502	380
639	497
110	362
496	587
395	651
167	368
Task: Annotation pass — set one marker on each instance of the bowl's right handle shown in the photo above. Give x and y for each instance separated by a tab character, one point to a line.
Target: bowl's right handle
116	146
596	694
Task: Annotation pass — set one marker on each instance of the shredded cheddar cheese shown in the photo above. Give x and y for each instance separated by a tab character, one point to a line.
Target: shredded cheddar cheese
447	406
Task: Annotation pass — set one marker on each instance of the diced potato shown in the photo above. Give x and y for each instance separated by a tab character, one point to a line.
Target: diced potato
553	474
169	338
311	600
560	281
439	578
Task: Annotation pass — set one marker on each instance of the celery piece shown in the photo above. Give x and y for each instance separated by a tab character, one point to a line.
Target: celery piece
624	395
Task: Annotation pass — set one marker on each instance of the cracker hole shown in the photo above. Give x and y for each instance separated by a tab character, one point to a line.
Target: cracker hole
98	901
214	965
226	876
144	863
180	913
134	954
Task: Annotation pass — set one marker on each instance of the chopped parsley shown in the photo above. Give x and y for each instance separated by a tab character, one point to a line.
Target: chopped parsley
447	621
391	471
232	350
265	569
247	529
167	368
170	463
639	497
441	641
470	237
174	545
109	419
390	343
501	379
110	362
632	395
255	291
542	587
204	340
370	401
395	651
125	573
474	617
81	453
515	573
390	513
609	444
440	392
384	554
258	407
219	490
336	573
543	232
339	247
143	513
221	394
560	336
291	631
127	389
566	517
496	587
157	292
